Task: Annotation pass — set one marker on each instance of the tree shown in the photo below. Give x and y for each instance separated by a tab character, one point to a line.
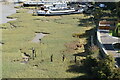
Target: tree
102	69
94	51
118	9
117	73
97	13
105	68
90	62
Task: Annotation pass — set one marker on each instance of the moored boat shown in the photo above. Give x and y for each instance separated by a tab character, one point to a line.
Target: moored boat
58	9
32	3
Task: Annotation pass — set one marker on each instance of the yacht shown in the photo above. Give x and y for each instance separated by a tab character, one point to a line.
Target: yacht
57	9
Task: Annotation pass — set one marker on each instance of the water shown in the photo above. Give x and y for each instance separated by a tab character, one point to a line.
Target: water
6	10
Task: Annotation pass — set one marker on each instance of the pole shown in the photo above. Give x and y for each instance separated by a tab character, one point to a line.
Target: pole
52	58
92	41
75	58
33	53
63	57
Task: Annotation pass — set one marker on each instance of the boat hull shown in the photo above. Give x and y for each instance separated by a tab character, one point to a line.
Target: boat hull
57	14
52	14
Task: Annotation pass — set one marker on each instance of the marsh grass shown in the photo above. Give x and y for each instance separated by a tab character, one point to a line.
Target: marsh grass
60	28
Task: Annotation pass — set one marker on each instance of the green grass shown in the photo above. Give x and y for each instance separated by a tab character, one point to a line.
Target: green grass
60	28
5	26
110	32
118	29
113	33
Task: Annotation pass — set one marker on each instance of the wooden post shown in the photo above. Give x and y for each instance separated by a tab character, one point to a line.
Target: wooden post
40	40
75	58
63	58
41	54
52	58
33	53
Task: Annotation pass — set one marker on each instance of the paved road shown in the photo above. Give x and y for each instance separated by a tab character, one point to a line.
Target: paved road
6	10
107	41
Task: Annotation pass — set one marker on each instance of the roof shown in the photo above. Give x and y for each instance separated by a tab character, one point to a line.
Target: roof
106	23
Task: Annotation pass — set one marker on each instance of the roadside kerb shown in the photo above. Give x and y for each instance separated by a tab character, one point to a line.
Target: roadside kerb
100	45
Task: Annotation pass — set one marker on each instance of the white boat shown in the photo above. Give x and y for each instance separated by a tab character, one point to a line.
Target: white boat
58	9
58	12
33	3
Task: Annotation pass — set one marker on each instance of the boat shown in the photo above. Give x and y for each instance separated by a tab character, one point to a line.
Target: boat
57	9
32	3
58	12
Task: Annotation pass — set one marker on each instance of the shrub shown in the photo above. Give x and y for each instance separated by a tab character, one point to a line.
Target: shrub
101	69
93	50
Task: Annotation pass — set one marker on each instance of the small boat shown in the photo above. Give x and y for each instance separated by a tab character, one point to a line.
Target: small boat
32	3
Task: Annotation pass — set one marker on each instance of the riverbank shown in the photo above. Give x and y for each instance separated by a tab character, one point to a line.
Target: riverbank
60	29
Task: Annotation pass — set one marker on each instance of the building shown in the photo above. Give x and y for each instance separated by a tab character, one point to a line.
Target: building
107	25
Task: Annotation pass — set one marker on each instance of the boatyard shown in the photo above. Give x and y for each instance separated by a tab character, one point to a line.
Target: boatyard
55	40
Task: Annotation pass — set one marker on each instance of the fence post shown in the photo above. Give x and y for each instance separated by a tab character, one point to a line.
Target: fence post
52	58
75	58
33	53
63	58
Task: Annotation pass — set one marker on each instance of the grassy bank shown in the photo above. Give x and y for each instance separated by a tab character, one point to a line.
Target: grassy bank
21	35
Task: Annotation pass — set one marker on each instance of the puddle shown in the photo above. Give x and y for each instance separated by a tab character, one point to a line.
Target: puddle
11	19
39	36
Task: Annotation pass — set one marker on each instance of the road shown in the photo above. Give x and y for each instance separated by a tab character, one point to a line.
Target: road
107	41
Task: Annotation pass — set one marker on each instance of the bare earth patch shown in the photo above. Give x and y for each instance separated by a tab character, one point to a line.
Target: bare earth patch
71	47
38	37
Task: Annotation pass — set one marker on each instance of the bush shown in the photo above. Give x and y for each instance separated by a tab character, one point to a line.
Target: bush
93	50
102	69
90	62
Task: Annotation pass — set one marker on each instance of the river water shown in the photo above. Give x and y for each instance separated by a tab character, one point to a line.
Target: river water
6	10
